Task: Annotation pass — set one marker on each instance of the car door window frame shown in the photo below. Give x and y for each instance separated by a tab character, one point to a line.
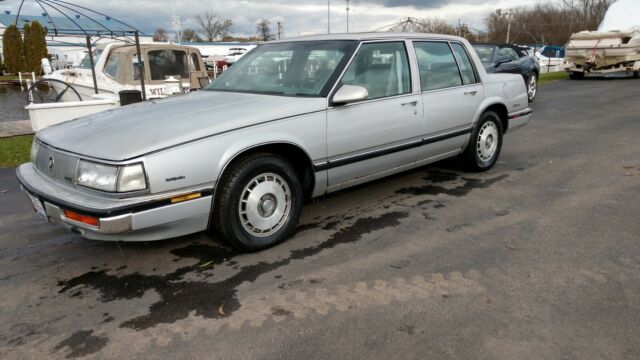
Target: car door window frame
471	62
410	64
448	42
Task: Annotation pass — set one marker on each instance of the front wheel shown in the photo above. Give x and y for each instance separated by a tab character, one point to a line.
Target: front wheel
485	143
532	87
259	202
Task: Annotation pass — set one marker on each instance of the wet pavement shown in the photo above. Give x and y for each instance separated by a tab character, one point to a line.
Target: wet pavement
537	258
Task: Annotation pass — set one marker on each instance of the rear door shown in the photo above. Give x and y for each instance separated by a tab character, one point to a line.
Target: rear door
451	94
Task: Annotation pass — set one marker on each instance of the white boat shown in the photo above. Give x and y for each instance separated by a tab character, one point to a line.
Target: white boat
117	68
615	47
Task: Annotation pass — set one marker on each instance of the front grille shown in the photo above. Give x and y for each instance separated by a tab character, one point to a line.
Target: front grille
56	165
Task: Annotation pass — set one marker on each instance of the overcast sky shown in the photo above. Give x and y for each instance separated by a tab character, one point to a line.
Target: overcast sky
298	17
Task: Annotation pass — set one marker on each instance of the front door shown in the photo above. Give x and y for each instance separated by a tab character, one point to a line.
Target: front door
377	134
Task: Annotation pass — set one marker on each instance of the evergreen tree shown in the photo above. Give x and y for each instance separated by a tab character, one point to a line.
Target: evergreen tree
13	50
35	46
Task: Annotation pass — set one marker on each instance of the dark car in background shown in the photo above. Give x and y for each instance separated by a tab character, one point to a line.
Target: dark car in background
514	59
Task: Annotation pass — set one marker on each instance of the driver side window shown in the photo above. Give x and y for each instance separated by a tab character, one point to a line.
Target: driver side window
381	68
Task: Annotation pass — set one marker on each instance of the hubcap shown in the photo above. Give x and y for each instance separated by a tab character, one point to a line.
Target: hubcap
487	142
533	87
265	204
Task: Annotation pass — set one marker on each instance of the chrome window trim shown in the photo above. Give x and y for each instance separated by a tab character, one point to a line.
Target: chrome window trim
473	66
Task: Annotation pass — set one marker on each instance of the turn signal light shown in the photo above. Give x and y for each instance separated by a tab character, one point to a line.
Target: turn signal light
185	197
85	219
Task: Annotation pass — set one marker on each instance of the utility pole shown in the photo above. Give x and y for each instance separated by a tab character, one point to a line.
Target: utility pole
280	32
328	16
508	26
348	16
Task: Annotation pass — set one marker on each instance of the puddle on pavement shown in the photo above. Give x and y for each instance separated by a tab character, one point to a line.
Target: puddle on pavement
179	297
465	186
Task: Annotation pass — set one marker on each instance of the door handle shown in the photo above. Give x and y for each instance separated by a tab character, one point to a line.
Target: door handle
412	103
471	93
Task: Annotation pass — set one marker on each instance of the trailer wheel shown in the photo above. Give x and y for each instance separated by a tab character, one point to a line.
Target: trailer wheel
576	75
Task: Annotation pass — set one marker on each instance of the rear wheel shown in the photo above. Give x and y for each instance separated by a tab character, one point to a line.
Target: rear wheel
259	202
636	74
485	143
576	75
532	87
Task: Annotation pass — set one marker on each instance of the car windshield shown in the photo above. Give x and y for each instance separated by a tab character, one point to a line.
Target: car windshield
303	68
485	53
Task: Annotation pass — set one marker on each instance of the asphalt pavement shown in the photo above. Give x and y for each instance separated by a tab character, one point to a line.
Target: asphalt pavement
538	258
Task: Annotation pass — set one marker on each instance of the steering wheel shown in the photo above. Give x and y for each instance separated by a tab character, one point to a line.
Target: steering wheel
42	91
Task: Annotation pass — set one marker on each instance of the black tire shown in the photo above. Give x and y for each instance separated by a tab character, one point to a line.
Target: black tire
471	158
528	85
636	74
226	217
576	75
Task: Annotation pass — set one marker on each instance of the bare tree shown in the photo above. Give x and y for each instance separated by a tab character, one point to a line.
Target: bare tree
263	30
213	25
190	35
160	35
547	23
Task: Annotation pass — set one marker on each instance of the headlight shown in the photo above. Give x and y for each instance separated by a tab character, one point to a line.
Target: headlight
111	178
34	150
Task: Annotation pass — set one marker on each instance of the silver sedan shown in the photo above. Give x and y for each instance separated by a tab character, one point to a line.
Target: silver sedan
291	120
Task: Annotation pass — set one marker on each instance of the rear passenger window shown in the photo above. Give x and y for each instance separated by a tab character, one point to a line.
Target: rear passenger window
438	67
381	68
466	69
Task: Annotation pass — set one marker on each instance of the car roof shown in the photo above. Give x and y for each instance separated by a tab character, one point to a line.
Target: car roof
371	36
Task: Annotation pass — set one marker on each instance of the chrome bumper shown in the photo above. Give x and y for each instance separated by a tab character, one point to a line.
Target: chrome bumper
144	218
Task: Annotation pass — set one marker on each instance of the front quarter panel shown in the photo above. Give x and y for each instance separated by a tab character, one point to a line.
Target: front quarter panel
200	163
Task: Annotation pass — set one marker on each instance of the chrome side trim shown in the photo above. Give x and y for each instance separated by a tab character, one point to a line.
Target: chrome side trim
341	161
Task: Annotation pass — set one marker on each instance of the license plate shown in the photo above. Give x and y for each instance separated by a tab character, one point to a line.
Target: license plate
38	207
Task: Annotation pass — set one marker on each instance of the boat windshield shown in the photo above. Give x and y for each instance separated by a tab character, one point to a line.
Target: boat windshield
86	64
485	53
302	68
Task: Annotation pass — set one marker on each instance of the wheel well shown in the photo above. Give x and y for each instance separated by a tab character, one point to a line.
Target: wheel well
501	110
292	153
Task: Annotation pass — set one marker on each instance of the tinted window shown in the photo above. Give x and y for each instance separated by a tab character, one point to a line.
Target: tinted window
466	69
381	68
438	68
165	63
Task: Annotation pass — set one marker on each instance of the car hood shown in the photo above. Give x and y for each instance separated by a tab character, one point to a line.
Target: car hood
134	130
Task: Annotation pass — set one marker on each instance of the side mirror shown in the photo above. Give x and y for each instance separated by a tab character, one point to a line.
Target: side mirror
349	94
